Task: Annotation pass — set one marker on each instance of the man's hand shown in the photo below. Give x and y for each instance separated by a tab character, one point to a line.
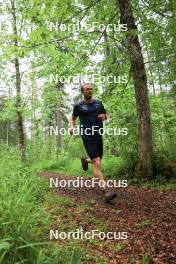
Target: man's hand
102	117
71	130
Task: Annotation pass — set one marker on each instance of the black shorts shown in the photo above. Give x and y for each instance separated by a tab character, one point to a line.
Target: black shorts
94	148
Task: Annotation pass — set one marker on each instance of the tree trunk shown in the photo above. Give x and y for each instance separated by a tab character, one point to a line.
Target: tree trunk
108	69
150	71
145	144
33	110
7	132
20	129
58	121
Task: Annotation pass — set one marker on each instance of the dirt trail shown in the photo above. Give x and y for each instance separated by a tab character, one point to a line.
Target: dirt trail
148	216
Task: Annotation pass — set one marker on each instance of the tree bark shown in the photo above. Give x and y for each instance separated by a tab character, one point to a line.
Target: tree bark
33	108
145	144
58	120
19	122
7	132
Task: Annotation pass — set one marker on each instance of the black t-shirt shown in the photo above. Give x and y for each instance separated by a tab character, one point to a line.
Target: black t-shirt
88	113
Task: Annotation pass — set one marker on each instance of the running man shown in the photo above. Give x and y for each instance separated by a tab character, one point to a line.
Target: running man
91	114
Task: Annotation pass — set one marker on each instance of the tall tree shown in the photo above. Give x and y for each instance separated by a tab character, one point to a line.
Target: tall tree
145	144
58	120
20	128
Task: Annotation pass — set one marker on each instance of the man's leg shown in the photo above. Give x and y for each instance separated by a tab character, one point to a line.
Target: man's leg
96	162
95	152
109	196
97	168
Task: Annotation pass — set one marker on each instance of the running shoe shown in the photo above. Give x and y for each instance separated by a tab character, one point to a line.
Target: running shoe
84	164
109	196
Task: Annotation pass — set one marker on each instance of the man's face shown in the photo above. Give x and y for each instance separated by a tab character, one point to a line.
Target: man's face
87	92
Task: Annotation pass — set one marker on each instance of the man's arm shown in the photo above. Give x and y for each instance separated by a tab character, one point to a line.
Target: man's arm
103	116
74	115
72	124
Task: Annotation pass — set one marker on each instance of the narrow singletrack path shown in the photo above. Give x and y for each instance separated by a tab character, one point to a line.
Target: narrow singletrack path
147	215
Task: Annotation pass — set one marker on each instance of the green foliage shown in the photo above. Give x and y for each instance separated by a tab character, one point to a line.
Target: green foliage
146	260
21	197
65	53
144	224
119	247
24	198
24	221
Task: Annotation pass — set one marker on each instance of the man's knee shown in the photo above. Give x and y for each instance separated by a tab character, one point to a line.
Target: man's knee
96	161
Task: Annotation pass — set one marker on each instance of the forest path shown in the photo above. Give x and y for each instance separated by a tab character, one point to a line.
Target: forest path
147	215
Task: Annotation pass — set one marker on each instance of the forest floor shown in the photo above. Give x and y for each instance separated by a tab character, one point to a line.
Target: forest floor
147	215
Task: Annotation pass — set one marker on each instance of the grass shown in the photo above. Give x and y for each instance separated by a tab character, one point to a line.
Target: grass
27	213
146	260
119	247
159	184
22	216
144	224
113	168
29	209
71	166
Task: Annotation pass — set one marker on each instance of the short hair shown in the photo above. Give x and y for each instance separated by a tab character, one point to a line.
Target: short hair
82	87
